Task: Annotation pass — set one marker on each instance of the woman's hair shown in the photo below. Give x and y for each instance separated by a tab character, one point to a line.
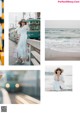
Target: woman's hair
20	24
58	69
22	21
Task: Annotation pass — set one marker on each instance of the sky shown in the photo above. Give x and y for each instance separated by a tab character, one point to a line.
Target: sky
62	24
0	8
16	17
67	69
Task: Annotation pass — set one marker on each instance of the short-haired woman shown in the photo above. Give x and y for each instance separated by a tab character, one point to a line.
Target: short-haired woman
58	80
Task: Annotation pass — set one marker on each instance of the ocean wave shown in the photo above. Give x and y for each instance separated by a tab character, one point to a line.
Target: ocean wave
63	39
71	45
62	33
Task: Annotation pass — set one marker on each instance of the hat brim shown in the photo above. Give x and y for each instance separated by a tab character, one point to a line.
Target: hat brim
23	20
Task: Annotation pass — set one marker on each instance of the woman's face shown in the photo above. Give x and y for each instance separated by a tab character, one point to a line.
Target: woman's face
23	23
58	72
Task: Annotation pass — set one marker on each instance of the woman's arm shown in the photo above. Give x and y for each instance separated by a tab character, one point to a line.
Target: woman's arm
26	27
62	78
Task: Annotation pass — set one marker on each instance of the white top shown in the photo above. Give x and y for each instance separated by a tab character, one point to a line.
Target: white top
61	78
58	84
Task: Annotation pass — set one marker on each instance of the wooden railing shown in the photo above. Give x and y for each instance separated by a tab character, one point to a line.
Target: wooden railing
34	51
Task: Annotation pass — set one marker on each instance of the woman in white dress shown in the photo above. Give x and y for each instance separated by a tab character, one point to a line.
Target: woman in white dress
22	53
58	80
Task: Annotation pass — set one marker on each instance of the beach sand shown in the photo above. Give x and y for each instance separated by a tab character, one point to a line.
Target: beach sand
57	55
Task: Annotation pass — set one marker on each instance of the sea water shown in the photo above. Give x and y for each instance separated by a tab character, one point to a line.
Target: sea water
63	39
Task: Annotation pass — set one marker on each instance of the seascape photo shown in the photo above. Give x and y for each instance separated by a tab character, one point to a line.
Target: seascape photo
62	40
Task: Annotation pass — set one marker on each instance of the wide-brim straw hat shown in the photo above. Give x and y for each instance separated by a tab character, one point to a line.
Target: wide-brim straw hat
22	20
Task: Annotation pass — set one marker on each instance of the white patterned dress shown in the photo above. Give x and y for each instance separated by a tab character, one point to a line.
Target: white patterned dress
22	44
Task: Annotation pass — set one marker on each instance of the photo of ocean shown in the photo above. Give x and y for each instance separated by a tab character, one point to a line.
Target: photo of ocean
62	40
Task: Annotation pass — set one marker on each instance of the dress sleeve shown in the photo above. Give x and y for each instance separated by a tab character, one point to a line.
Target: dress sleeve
62	78
55	77
26	27
18	31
